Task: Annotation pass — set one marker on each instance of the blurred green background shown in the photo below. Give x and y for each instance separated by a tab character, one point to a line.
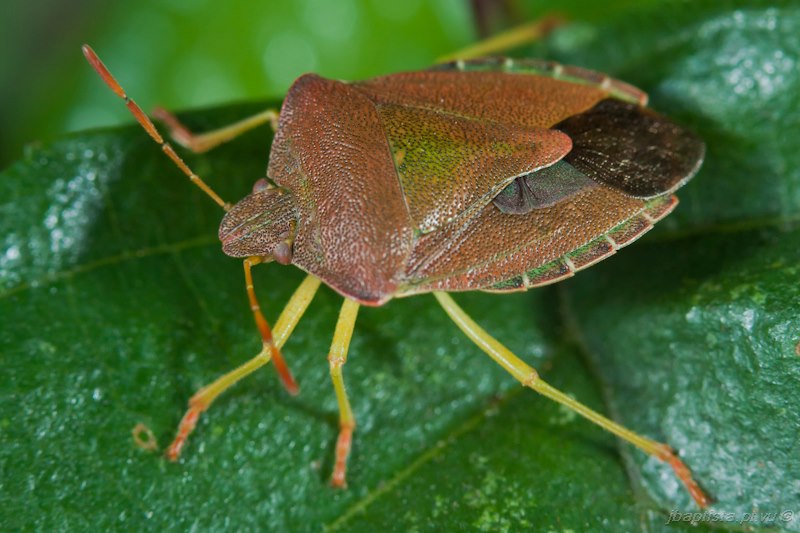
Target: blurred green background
193	53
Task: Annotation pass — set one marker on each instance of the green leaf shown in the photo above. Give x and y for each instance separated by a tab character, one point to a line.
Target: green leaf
117	304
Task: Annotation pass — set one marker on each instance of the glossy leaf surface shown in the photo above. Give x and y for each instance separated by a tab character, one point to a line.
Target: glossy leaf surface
116	305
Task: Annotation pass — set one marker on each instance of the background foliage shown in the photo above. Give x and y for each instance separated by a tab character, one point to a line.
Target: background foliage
117	304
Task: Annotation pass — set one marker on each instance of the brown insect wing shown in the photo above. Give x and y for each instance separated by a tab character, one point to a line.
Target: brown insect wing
632	148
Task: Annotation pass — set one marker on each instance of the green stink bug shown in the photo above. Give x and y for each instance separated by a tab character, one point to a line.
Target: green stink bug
490	175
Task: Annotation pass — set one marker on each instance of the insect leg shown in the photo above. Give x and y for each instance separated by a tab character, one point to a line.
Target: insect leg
263	328
530	378
203	398
507	40
337	358
203	142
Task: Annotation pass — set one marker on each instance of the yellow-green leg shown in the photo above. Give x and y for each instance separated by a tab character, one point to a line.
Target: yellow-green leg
530	378
203	142
337	358
266	333
508	40
204	397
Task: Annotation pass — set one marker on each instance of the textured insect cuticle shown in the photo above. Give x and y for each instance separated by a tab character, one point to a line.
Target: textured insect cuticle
380	225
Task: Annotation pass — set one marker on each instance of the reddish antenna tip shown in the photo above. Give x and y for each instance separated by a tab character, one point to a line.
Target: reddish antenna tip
101	69
92	58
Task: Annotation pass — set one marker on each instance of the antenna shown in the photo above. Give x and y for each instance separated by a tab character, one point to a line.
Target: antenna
148	125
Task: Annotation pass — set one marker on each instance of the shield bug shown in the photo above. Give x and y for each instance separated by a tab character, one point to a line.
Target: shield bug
491	175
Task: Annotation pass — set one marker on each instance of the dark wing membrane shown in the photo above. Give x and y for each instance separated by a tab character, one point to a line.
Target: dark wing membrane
632	148
619	144
542	188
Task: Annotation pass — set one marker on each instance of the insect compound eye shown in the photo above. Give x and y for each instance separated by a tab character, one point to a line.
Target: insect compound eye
261	185
282	253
